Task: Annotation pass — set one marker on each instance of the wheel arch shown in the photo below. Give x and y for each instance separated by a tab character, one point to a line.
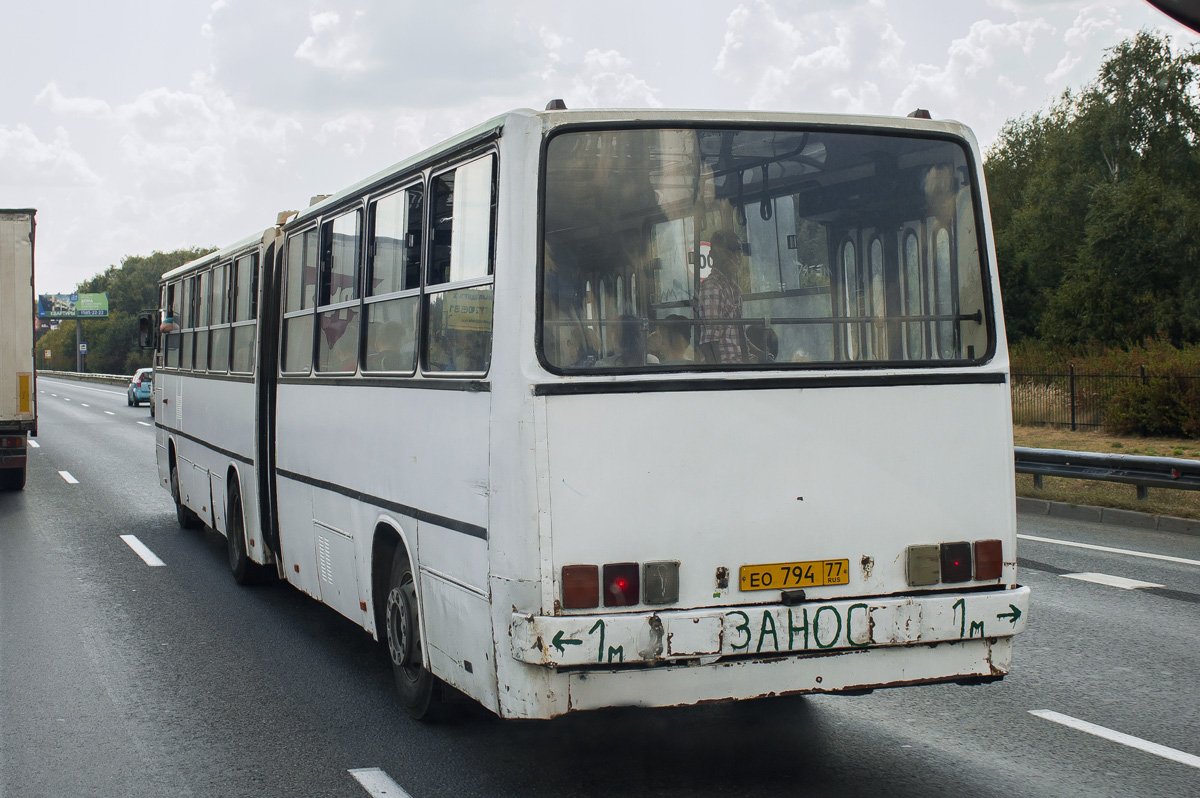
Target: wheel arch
388	536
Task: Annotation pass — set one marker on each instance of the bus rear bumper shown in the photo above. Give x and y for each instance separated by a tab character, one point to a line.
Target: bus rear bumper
863	670
766	631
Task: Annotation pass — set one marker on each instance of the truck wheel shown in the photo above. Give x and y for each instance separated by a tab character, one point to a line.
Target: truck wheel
414	682
245	570
187	519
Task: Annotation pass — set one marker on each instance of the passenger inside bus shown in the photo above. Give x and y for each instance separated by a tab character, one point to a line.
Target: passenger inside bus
721	298
626	343
671	341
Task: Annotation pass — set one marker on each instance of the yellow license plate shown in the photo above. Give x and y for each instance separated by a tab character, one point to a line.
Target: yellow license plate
787	575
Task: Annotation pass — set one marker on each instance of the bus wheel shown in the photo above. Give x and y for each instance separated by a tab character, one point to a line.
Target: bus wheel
187	519
414	682
245	570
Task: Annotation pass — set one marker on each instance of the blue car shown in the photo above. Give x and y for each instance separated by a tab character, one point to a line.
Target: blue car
141	387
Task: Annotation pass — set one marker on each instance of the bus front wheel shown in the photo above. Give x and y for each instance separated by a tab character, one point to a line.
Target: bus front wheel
414	682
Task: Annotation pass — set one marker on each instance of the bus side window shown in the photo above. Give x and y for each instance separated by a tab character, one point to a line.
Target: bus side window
188	309
338	316
245	305
203	320
219	357
299	307
170	327
394	276
458	320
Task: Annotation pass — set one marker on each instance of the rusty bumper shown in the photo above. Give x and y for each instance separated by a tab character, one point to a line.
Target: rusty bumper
767	630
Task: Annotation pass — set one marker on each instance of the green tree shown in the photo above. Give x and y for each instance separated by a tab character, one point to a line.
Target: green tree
1095	205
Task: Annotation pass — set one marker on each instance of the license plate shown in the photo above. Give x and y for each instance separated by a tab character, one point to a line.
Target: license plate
787	575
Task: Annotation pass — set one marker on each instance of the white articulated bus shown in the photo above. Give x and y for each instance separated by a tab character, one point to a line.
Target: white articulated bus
597	408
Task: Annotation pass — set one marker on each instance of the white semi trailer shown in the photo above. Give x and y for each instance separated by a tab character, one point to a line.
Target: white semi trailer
18	394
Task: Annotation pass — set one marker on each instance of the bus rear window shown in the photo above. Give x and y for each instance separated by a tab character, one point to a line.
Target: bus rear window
742	249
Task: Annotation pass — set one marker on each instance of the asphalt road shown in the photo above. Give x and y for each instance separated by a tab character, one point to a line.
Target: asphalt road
121	678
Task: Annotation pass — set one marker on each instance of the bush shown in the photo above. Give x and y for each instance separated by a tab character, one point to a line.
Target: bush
1158	407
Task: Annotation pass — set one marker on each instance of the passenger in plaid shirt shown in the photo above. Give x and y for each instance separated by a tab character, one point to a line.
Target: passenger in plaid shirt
721	298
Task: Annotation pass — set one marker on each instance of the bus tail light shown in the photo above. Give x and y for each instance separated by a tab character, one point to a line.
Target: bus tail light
622	584
956	562
953	563
989	560
660	581
581	587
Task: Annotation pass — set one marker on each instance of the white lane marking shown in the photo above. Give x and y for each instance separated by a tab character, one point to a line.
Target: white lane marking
1119	737
142	551
67	476
1111	581
81	404
54	395
109	413
377	783
1109	549
66	398
144	424
34	444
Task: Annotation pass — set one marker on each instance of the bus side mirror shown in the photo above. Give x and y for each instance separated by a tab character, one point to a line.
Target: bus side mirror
146	332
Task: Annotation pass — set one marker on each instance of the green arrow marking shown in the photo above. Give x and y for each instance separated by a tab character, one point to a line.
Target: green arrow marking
559	641
1014	615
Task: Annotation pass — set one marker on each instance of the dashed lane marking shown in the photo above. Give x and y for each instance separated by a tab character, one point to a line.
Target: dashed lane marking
109	413
142	551
1174	755
377	783
144	424
1111	581
1109	549
34	444
70	480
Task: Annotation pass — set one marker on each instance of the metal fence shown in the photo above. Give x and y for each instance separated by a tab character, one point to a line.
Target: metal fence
1073	399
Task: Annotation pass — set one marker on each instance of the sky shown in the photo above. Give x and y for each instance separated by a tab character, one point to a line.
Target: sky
141	125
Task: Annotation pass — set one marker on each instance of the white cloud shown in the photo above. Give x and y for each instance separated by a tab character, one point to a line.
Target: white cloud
334	46
607	82
72	106
352	131
26	160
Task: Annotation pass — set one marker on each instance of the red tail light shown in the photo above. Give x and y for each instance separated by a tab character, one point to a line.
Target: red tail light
622	584
956	562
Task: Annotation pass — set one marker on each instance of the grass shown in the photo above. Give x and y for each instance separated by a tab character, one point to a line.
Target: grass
1180	503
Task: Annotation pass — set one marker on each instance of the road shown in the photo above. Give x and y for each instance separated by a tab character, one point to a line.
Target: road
119	677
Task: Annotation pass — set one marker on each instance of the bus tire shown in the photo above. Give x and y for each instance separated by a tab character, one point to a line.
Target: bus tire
187	519
245	570
403	637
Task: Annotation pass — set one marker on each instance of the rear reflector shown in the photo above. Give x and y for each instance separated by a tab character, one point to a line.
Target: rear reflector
989	560
580	586
956	562
622	585
924	565
660	581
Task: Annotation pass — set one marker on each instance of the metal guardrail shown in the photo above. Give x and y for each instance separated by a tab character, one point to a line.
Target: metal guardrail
1144	472
115	379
